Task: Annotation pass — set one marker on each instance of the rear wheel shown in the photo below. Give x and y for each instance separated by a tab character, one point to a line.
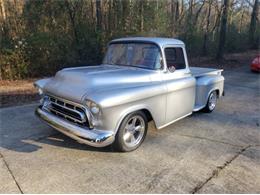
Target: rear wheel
212	101
132	132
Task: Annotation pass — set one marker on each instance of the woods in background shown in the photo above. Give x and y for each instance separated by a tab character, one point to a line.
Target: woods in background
40	37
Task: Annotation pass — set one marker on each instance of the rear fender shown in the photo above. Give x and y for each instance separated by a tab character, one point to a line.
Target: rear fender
205	85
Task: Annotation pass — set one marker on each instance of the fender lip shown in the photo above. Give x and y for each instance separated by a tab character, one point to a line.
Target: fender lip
91	137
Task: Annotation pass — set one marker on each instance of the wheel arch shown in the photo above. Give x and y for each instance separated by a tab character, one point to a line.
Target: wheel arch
210	91
130	110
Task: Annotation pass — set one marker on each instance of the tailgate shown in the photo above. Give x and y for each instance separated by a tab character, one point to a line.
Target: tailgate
198	72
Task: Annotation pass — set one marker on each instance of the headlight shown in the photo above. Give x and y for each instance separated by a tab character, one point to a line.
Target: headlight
39	89
40	92
94	108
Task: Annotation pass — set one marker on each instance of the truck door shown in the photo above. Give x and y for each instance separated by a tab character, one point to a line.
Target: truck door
180	84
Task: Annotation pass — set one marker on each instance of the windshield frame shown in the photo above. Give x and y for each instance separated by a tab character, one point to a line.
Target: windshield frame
137	42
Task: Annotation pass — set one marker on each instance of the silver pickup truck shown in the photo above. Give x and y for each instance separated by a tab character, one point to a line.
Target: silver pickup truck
140	79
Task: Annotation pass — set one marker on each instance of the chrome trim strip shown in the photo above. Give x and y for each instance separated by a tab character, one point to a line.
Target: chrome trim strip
95	137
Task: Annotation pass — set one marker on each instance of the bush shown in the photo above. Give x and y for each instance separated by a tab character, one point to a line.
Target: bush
13	64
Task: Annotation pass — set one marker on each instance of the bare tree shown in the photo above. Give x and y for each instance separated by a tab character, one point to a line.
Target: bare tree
252	29
223	29
72	8
175	16
2	15
98	15
198	13
205	38
2	6
141	12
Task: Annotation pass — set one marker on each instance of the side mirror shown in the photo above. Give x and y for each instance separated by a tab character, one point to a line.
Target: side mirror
171	69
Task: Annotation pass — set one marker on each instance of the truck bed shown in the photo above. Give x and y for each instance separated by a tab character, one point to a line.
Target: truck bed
198	72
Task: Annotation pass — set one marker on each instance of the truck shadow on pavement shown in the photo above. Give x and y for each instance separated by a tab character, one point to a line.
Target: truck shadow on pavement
60	140
29	145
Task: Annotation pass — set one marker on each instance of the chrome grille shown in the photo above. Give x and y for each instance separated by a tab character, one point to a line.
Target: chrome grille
66	109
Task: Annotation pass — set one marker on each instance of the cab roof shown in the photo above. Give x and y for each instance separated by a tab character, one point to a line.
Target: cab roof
157	40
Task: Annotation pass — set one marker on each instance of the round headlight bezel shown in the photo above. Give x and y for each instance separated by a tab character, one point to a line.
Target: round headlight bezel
93	107
95	110
40	91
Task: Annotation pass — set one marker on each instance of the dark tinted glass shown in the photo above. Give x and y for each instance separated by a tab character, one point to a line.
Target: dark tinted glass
175	57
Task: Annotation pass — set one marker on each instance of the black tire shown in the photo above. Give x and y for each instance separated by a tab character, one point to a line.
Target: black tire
120	144
208	108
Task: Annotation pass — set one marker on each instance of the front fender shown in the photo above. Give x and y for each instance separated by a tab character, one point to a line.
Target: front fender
118	103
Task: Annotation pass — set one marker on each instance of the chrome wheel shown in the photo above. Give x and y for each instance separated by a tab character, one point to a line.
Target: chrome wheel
134	131
212	100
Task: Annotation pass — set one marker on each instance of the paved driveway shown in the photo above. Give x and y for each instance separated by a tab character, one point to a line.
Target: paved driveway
203	153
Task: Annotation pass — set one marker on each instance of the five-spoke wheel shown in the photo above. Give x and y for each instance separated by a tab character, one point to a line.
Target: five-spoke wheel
212	101
132	132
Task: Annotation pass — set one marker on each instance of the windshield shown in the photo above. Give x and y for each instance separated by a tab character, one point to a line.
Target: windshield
142	55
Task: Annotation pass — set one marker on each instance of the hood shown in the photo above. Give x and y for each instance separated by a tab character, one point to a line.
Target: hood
76	83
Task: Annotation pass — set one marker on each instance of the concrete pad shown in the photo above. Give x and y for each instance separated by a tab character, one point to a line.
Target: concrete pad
8	185
241	176
244	78
174	164
19	123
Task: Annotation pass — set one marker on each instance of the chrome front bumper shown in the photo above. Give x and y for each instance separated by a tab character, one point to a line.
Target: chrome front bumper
92	137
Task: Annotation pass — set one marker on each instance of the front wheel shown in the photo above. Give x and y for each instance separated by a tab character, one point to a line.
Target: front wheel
212	101
132	132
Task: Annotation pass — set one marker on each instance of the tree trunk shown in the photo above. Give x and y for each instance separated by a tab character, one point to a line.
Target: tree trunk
72	14
242	18
110	18
252	29
173	22
223	29
2	6
194	23
177	13
205	39
125	15
217	17
3	18
189	20
141	12
98	16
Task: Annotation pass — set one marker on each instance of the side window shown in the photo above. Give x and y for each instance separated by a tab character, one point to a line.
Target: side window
175	58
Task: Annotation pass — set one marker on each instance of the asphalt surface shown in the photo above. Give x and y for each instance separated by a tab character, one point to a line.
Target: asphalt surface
204	153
